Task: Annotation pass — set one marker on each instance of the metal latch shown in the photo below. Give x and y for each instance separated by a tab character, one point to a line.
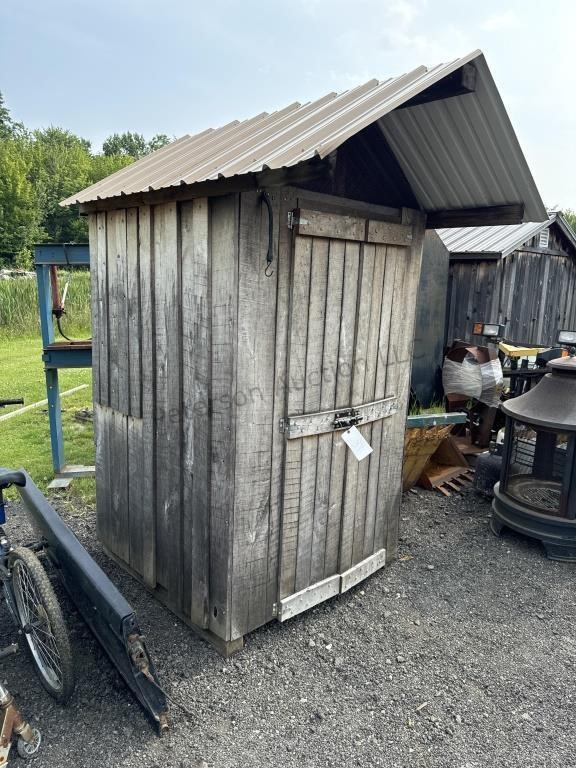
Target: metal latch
346	419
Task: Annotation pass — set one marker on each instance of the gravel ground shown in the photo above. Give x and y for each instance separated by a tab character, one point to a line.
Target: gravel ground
459	655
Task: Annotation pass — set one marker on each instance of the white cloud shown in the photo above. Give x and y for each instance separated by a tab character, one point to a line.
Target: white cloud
499	21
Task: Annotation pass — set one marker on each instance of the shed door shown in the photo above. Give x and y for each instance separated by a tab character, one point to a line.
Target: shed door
350	333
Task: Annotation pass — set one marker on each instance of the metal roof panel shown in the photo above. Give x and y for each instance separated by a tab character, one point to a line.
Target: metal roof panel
459	152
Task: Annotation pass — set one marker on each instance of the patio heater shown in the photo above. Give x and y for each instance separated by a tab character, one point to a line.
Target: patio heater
536	494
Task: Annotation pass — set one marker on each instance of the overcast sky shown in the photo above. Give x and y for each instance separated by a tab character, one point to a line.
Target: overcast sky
175	67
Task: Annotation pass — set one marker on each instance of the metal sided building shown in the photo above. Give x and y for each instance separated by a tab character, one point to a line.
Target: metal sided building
254	294
523	277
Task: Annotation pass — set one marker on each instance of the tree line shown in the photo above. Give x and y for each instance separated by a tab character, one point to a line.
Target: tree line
38	168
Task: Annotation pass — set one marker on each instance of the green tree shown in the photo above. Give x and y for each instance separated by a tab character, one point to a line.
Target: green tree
130	144
60	165
570	217
20	218
8	128
133	144
158	141
104	165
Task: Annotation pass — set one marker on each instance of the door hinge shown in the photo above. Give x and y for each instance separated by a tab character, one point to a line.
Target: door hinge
274	609
294	220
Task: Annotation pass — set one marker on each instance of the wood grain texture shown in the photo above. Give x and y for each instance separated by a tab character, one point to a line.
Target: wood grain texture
254	411
398	377
327	401
167	400
196	390
117	311
144	523
360	360
391	234
344	373
283	271
379	460
134	333
95	305
224	214
330	225
119	520
364	506
296	373
100	312
312	401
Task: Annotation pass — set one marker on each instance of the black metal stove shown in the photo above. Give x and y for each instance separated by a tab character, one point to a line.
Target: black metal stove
536	494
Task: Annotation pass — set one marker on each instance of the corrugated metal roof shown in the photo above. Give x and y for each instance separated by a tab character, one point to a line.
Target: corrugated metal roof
456	153
501	240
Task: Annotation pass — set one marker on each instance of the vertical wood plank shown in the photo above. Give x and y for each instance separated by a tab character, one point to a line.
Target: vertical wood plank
283	267
312	398
144	518
364	514
134	332
357	398
327	403
398	381
118	310
224	310
94	305
168	414
195	413
119	524
101	266
102	466
345	368
254	412
295	405
376	521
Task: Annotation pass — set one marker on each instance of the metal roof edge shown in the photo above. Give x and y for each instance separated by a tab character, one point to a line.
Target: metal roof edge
533	233
565	227
521	157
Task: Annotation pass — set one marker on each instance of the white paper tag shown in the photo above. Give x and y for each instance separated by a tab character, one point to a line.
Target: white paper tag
359	446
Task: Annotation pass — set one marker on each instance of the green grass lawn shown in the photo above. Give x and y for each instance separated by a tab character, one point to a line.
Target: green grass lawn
25	439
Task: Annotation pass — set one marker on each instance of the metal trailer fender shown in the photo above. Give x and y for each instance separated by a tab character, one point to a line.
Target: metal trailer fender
107	613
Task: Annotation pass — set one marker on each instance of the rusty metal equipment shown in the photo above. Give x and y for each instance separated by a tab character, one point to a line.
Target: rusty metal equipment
13	724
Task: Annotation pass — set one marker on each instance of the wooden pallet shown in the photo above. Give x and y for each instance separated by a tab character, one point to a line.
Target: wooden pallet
446	479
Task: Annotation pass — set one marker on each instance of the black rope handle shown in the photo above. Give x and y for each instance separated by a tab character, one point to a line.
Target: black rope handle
269	254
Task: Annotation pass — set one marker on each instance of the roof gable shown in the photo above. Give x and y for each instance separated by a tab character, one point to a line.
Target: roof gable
456	153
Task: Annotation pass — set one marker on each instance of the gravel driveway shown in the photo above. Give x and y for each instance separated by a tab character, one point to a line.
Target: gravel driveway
461	654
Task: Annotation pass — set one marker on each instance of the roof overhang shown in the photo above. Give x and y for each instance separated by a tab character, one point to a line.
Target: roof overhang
447	128
482	243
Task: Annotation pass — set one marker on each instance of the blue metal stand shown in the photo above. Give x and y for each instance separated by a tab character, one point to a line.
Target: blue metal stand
55	354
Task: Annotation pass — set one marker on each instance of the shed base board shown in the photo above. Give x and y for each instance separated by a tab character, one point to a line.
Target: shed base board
224	647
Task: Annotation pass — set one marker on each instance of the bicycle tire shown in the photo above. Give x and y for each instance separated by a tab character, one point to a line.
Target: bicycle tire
43	625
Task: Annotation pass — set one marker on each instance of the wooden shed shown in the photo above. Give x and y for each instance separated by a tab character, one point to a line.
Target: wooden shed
428	353
522	277
253	295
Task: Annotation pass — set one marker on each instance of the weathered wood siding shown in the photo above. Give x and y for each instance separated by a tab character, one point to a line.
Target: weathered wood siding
426	381
198	355
151	395
530	292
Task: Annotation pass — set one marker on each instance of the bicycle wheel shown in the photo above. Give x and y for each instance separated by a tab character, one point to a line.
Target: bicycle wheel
42	623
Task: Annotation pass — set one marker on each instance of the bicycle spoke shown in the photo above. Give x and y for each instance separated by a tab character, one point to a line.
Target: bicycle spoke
39	635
